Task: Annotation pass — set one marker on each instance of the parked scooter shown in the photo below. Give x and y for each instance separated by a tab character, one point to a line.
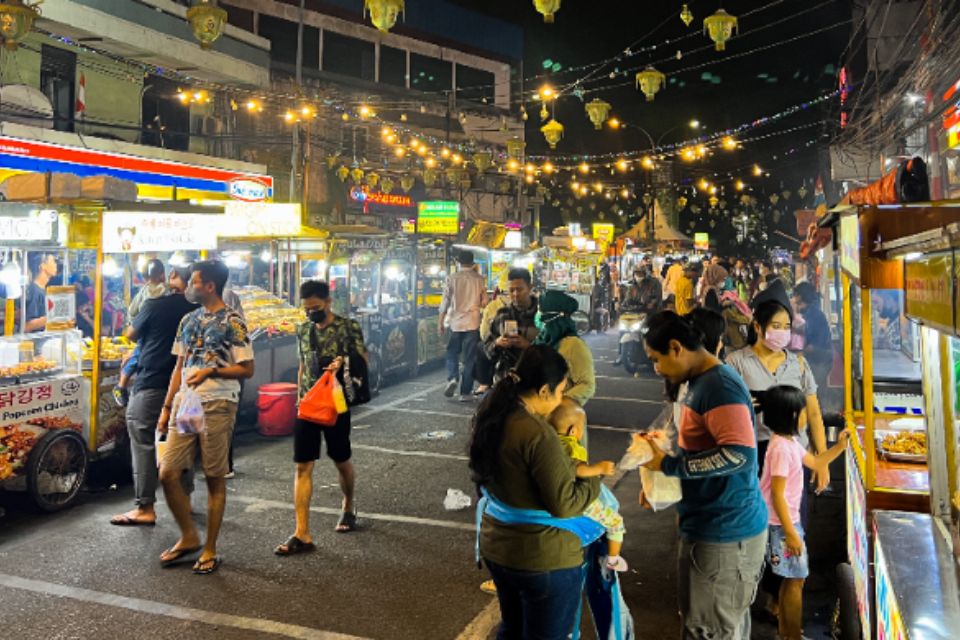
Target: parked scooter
633	326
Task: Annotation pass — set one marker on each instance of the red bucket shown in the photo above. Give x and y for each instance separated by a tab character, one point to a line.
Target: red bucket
277	408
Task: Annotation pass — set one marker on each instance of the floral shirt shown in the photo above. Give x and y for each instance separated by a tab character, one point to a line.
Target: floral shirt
215	340
342	336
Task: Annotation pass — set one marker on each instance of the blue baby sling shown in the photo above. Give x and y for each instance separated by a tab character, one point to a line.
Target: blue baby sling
610	613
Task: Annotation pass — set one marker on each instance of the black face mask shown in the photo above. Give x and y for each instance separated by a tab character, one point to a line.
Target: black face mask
318	316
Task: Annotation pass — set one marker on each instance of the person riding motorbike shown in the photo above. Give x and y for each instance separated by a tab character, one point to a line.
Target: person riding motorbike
644	297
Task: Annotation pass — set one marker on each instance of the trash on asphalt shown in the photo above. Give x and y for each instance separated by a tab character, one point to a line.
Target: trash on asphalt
436	435
456	500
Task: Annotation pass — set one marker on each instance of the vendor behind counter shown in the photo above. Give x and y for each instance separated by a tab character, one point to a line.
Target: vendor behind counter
43	268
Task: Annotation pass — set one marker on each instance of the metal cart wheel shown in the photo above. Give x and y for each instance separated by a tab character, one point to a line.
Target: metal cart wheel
374	370
56	469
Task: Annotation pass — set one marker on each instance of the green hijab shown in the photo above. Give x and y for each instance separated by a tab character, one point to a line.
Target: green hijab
553	318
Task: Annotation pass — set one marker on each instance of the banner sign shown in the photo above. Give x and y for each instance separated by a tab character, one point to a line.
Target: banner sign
39	226
440	217
701	241
261	219
128	232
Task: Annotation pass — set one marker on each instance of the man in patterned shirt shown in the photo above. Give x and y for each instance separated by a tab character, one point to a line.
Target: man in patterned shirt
323	342
213	354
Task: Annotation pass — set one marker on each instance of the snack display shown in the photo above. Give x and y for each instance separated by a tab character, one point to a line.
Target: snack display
266	313
907	446
111	349
39	366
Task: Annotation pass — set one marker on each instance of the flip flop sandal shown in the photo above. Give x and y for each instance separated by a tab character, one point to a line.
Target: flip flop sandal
488	586
179	555
207	566
346	523
123	520
293	546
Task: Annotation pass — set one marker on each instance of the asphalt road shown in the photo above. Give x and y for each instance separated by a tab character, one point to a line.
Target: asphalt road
407	573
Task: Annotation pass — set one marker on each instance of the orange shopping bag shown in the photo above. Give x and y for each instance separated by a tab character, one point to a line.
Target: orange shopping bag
318	405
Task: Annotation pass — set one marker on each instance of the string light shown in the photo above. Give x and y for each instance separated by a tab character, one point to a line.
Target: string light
647	163
622	165
729	143
584	168
757	171
614	123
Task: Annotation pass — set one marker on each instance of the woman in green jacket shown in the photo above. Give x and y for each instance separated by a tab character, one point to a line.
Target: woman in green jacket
517	458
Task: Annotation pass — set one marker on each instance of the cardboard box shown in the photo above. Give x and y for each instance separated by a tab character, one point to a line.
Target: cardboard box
27	186
64	186
108	188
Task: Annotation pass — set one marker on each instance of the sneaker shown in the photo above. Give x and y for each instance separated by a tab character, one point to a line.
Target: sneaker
121	396
467	397
230	475
451	388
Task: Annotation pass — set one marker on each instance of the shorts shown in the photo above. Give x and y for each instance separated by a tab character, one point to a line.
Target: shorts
214	443
307	435
782	564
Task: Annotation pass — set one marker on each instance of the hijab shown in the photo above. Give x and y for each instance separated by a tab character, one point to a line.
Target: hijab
553	318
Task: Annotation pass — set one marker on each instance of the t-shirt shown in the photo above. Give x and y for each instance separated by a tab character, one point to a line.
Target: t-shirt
683	293
817	333
156	326
336	339
36	302
216	339
784	460
717	460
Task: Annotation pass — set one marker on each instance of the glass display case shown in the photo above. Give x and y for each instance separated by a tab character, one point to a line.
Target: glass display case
25	358
267	314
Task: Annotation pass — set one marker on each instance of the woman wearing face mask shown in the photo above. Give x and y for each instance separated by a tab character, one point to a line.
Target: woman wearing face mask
558	330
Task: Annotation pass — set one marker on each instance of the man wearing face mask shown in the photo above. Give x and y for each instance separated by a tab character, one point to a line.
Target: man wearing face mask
645	292
323	342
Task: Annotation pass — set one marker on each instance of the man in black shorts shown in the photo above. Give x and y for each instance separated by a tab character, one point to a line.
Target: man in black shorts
322	343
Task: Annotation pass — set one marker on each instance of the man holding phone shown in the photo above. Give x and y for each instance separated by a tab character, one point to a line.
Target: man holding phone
513	328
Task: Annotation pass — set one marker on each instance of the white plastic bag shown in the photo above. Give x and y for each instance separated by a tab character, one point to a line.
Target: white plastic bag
189	417
660	491
456	500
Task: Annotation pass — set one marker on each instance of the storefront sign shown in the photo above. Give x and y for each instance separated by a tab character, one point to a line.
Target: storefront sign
19	155
928	290
260	219
850	244
889	619
38	226
128	232
367	198
951	115
603	232
439	217
367	244
701	241
858	542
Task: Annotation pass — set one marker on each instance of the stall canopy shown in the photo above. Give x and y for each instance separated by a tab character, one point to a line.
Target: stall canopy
663	232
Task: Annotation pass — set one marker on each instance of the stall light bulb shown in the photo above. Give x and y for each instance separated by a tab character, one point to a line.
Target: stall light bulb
141	263
11	279
548	168
265	256
434	269
584	168
235	261
110	268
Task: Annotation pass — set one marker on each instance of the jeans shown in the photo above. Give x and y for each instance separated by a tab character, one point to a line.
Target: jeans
717	583
536	605
462	342
143	411
483	370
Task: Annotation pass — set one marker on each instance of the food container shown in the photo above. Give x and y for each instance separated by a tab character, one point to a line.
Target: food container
25	351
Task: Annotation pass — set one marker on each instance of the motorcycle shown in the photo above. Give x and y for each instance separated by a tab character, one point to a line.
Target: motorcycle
633	326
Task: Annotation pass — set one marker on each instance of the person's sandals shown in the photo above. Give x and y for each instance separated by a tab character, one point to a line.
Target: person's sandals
208	566
293	546
347	522
177	555
488	586
123	520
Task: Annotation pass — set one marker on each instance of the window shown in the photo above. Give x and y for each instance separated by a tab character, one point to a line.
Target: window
474	84
240	18
353	142
58	71
430	74
348	56
393	66
166	121
282	35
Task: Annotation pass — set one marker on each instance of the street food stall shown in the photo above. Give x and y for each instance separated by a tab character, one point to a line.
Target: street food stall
901	463
569	263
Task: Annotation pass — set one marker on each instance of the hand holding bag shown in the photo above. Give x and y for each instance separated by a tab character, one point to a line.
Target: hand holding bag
189	418
318	405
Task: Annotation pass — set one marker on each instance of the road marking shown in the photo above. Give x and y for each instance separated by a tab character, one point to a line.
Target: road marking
602	427
625	377
403	452
481	626
638	400
428	412
212	618
260	504
366	412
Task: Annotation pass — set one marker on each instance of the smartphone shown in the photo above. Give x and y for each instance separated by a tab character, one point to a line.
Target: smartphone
510	328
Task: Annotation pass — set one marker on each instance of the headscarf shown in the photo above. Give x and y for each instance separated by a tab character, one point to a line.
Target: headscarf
553	319
714	276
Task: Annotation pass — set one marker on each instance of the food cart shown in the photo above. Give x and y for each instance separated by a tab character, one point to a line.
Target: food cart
901	463
570	264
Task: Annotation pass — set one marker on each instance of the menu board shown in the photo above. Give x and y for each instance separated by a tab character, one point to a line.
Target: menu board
928	290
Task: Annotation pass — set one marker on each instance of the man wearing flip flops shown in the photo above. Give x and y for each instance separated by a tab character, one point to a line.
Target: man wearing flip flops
213	354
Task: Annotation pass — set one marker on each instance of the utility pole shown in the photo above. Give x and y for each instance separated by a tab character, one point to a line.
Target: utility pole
295	132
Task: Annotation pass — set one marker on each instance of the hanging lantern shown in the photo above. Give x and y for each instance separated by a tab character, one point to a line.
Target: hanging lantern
544	113
383	13
686	15
482	160
681	202
373	179
774	199
786	194
453	175
331	161
802	192
207	21
356	174
650	81
720	27
429	177
406	182
343	173
552	131
713	200
515	147
16	20
547	8
386	185
597	111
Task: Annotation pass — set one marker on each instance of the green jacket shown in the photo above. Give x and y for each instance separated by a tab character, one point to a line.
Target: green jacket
535	473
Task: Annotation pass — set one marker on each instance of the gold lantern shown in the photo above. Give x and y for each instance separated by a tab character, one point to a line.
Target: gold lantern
547	8
515	147
207	21
482	160
406	182
552	131
386	185
373	179
331	161
713	200
720	27
774	199
650	81
343	173
686	15
681	202
356	174
598	110
16	20
383	13
453	175
429	177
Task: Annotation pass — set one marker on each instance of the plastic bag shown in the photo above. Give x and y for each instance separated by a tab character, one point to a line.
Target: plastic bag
339	399
456	500
318	405
189	418
660	491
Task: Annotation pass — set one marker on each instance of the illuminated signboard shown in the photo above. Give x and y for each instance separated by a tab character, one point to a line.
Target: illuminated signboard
367	198
39	226
928	291
701	241
260	219
603	232
129	232
951	115
441	217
